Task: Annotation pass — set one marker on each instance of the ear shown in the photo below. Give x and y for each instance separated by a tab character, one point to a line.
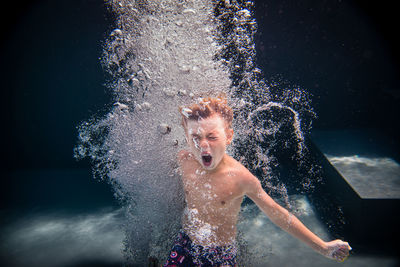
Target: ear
229	136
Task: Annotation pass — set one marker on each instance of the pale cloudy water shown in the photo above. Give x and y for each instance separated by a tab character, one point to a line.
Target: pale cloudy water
41	106
271	246
97	239
52	239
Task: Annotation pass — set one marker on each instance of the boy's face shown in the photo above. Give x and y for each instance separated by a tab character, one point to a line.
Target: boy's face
208	139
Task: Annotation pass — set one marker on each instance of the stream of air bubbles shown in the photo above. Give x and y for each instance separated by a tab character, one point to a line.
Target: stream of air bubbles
164	54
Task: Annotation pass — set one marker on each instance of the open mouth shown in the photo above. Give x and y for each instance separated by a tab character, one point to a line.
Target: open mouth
207	159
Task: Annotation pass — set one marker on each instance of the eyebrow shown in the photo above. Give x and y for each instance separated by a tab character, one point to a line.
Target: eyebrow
212	133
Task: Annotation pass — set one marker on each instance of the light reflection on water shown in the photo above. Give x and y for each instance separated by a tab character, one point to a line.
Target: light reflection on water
54	239
60	240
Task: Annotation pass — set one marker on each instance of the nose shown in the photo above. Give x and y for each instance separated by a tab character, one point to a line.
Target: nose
204	144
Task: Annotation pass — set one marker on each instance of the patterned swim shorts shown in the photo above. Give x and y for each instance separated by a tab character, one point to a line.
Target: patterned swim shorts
185	253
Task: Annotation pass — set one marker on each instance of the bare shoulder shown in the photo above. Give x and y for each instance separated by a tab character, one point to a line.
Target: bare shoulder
182	155
185	158
241	171
247	180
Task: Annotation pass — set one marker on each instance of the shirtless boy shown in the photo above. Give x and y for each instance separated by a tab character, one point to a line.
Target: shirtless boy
215	185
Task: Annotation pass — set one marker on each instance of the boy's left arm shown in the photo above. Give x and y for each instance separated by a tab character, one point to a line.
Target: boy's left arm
336	249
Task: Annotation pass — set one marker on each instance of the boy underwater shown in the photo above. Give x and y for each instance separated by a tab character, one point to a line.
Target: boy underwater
215	185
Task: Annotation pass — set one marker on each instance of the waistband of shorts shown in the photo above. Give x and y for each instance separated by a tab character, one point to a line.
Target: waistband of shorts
224	248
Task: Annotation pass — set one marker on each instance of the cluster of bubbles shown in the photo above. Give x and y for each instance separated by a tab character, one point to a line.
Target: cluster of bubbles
164	54
271	117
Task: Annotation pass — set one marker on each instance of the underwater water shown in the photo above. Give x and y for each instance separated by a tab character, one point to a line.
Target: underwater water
158	56
163	55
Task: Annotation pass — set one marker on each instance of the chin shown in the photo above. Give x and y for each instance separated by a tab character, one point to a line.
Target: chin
209	168
213	166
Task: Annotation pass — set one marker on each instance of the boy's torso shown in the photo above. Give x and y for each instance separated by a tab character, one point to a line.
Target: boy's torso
213	201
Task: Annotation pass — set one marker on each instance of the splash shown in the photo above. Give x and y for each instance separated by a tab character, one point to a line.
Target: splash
166	54
260	133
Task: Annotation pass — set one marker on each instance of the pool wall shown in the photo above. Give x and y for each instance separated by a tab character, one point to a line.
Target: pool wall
370	225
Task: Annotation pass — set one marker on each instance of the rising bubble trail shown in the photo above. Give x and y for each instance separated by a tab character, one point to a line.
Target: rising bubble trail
164	54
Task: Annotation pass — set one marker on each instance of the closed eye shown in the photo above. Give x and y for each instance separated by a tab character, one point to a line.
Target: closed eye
195	138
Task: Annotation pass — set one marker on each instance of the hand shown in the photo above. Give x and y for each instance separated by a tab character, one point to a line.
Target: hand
337	250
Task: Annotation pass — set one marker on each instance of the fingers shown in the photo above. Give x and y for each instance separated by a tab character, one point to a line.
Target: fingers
341	253
341	259
341	245
340	250
346	244
340	256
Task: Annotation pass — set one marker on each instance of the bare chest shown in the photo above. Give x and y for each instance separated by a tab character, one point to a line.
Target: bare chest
205	191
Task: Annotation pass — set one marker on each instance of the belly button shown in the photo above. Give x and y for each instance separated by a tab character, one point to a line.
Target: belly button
223	202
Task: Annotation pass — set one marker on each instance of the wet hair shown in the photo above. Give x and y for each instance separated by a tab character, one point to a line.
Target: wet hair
207	107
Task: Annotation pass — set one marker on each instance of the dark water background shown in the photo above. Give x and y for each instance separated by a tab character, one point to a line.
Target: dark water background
53	80
345	53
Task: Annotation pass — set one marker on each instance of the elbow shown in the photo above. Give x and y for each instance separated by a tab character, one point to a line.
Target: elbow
281	217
